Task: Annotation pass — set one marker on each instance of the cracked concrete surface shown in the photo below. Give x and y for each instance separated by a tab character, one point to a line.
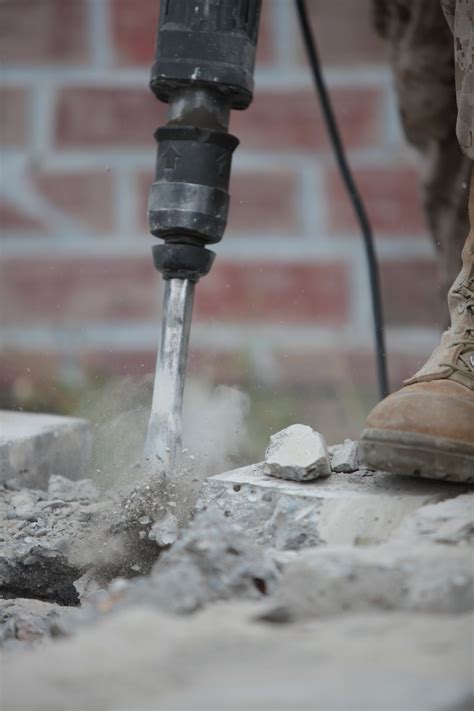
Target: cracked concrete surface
350	592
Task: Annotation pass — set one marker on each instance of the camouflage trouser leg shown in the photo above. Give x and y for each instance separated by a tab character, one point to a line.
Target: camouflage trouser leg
460	17
425	68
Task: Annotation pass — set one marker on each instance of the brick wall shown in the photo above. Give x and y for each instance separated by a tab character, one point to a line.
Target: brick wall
287	301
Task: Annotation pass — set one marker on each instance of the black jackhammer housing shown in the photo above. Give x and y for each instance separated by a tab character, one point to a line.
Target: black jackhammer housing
203	68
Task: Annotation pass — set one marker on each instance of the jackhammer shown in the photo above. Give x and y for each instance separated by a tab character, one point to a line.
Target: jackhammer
203	68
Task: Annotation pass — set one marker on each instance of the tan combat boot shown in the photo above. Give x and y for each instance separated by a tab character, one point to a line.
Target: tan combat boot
426	429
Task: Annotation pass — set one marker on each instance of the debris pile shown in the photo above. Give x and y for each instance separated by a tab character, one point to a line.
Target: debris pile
305	539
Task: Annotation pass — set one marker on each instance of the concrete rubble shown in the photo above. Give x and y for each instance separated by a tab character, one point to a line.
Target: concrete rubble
345	457
297	453
357	509
212	560
265	596
39	535
335	580
27	621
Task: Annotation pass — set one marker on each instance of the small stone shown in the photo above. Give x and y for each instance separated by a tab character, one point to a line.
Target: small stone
345	457
165	531
23	503
297	453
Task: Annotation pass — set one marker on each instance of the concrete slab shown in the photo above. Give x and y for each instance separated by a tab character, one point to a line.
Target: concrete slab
357	508
34	446
221	660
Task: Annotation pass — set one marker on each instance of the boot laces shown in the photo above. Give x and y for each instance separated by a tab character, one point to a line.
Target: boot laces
465	361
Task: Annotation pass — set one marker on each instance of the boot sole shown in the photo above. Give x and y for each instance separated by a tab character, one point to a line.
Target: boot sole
417	455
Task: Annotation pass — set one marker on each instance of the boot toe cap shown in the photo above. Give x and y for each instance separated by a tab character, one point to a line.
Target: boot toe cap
438	408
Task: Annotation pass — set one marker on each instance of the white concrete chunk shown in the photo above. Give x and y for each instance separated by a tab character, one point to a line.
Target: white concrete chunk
34	446
165	531
297	453
345	457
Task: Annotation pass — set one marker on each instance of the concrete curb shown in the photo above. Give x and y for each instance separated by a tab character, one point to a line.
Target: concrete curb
34	446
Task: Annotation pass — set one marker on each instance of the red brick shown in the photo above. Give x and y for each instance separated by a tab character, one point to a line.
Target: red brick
343	373
36	367
276	292
14	105
119	361
37	32
135	24
144	180
322	366
263	201
87	197
105	117
217	366
410	292
14	219
346	370
258	201
101	116
391	195
292	120
344	33
266	38
223	367
79	290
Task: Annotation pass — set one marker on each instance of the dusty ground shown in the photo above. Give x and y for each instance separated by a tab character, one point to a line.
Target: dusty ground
128	602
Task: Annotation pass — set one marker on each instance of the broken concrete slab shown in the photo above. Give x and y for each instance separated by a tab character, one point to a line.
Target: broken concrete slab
297	453
359	508
34	446
450	522
345	457
46	542
221	659
212	560
332	580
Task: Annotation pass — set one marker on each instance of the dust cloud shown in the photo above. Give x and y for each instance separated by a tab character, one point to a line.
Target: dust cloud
214	429
146	509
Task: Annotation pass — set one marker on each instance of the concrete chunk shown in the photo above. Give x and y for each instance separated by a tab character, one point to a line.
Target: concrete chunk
297	453
34	446
165	531
333	580
345	457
